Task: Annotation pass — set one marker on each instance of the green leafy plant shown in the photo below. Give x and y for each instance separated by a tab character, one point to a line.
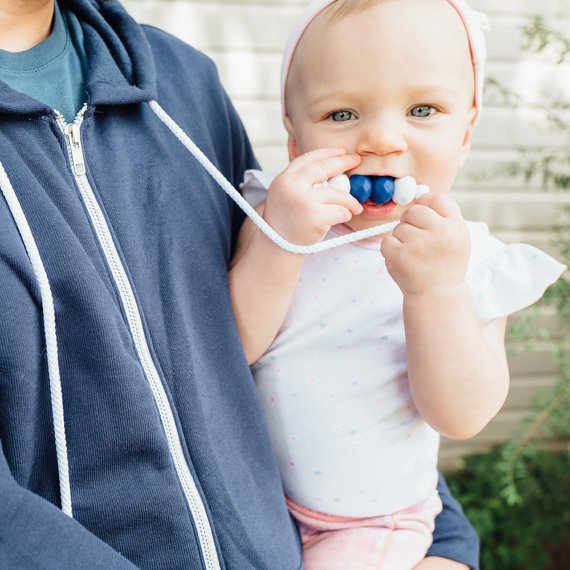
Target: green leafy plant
526	535
550	420
518	495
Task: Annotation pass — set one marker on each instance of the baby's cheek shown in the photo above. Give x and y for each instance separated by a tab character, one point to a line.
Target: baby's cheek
441	178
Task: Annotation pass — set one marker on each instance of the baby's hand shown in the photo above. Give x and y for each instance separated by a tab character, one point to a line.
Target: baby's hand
301	213
428	250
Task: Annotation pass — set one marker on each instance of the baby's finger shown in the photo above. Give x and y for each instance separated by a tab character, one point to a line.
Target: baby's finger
331	196
405	233
390	247
336	214
314	155
442	204
421	216
325	167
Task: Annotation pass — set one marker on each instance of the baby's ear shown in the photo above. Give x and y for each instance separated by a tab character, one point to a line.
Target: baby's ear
292	147
466	146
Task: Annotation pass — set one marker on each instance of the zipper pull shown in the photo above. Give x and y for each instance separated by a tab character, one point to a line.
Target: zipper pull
74	138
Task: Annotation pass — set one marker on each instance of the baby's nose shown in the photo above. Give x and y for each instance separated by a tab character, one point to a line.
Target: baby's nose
382	137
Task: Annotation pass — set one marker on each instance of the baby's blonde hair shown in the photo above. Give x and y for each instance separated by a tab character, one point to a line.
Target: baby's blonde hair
335	12
342	8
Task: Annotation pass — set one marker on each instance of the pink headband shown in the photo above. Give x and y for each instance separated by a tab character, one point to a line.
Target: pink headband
474	22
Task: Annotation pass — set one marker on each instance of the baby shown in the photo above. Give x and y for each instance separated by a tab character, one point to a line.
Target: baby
364	354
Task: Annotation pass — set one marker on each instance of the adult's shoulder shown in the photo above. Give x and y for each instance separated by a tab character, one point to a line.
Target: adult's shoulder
188	83
172	55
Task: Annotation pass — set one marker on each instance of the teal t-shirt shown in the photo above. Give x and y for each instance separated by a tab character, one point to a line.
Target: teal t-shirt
54	71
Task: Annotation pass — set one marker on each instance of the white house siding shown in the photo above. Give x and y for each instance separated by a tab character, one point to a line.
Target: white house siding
245	39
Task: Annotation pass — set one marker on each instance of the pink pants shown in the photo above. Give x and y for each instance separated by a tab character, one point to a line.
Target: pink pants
397	541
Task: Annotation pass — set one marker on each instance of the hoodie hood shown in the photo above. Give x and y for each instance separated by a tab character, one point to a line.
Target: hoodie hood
121	67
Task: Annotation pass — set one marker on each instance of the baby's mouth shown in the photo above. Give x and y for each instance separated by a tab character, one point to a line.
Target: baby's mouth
384	189
379	190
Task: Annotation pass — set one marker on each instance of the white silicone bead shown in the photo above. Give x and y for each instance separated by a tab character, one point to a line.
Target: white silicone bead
422	190
341	183
405	190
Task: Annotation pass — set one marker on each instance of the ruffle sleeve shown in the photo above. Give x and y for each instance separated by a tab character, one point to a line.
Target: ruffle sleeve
505	278
255	184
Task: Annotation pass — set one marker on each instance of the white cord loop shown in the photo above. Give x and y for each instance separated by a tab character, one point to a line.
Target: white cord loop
246	207
50	334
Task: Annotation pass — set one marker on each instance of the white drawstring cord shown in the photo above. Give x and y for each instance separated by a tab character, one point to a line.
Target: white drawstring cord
246	207
48	309
50	338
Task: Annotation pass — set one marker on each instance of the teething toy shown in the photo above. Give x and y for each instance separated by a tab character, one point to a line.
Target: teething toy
340	182
361	187
422	190
378	189
405	190
382	189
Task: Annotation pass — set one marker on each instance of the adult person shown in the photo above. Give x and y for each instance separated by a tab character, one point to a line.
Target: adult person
130	430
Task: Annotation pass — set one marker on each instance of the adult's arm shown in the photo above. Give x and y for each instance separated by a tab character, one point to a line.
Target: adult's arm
36	534
454	539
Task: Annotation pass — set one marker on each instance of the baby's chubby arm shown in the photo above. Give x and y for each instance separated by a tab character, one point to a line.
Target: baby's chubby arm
437	563
457	367
262	276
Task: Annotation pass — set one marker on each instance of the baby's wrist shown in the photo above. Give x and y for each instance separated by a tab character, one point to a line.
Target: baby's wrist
446	295
267	254
299	229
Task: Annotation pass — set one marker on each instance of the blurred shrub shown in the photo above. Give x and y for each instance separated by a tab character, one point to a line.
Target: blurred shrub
518	495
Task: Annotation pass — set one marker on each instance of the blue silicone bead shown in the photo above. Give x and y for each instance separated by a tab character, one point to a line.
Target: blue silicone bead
382	189
360	187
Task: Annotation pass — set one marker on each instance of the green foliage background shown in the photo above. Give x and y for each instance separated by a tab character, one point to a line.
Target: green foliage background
531	534
518	495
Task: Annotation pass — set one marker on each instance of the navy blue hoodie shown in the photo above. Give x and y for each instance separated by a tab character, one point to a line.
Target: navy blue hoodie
125	398
168	459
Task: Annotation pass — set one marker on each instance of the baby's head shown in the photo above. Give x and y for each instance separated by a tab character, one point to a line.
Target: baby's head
398	82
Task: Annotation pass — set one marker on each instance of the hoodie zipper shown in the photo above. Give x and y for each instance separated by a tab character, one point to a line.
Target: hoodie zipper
72	132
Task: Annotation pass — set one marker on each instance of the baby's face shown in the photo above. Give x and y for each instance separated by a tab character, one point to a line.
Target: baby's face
394	84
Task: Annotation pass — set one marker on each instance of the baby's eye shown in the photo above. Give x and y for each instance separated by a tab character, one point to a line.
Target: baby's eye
340	116
422	111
